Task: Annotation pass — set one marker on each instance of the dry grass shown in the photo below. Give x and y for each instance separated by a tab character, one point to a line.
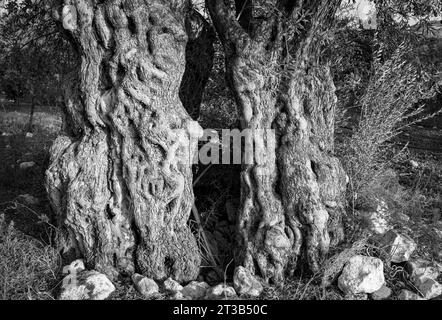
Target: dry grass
28	268
334	265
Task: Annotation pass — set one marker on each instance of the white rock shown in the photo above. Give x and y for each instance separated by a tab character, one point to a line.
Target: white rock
357	297
221	291
75	267
88	285
195	290
408	295
29	199
6	134
27	165
414	164
422	268
29	135
179	296
147	287
429	288
399	247
362	275
172	286
382	294
246	283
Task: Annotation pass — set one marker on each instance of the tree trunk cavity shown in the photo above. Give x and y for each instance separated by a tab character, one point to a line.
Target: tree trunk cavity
292	202
120	179
200	54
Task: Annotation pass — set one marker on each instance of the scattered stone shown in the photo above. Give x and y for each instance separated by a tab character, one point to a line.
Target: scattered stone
221	291
195	290
179	296
29	135
356	297
172	286
74	268
382	294
362	275
422	268
28	199
399	247
414	164
246	283
6	134
331	204
88	285
429	288
8	146
27	165
147	287
408	295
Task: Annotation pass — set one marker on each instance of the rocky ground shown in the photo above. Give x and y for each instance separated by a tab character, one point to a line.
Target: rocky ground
400	256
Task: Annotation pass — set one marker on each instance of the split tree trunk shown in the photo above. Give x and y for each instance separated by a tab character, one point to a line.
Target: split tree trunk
292	202
120	180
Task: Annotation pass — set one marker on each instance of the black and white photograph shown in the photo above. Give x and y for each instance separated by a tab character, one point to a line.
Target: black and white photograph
218	158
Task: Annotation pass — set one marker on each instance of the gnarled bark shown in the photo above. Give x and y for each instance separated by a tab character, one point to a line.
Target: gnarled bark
120	180
293	201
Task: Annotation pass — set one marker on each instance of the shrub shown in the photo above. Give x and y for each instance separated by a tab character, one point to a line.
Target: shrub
389	104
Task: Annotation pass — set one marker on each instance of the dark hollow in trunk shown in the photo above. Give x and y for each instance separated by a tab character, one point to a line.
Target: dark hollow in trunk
200	54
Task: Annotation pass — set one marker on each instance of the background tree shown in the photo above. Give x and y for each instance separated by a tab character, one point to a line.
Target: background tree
35	57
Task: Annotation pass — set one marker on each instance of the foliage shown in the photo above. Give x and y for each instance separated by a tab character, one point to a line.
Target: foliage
384	77
34	55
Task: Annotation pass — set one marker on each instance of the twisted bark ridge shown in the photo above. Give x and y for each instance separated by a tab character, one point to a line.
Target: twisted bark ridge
293	202
120	179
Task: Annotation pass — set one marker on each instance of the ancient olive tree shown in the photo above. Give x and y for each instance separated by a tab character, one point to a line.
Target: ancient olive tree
292	203
120	178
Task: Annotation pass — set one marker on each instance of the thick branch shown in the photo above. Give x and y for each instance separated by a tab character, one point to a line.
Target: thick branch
228	28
